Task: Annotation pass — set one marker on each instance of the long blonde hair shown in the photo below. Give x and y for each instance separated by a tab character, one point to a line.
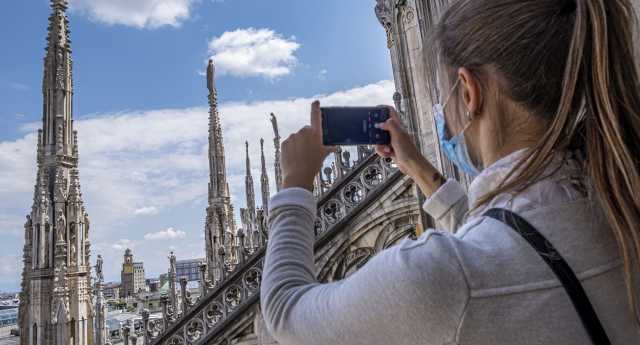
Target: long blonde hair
570	62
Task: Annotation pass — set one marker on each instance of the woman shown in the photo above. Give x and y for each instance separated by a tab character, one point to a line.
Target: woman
540	105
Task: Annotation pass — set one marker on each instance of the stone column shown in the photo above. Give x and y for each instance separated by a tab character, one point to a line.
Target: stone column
145	326
172	283
203	279
183	295
164	301
125	335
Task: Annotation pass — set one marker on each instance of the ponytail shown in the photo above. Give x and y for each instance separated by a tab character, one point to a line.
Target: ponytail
612	127
590	103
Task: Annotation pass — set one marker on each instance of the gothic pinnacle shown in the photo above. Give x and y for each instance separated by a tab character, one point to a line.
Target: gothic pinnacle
263	163
264	179
251	201
248	160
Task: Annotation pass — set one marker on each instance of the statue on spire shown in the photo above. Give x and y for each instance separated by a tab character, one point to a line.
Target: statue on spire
211	71
276	144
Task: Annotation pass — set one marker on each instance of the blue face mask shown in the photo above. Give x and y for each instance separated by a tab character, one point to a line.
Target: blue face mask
455	147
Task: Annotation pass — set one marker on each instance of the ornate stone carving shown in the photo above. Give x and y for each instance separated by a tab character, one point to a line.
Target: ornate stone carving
99	273
61	227
385	16
238	286
408	15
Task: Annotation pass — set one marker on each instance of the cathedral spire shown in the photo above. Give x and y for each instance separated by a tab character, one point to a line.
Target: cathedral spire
218	178
57	85
56	292
264	179
250	190
219	220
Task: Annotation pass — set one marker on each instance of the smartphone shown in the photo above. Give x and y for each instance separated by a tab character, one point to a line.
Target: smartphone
343	126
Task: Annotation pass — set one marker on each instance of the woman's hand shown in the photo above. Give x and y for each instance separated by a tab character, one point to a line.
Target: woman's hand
402	149
303	153
407	156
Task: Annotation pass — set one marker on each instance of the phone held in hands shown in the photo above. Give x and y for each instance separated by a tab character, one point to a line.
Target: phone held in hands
344	126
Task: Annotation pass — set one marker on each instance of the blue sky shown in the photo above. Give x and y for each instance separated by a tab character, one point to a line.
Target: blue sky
140	106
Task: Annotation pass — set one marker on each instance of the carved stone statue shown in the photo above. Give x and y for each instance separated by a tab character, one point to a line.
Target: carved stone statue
99	273
61	227
73	253
274	123
73	250
172	262
86	225
384	14
211	70
60	69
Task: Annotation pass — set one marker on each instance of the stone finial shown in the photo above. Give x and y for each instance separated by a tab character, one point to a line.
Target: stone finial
211	74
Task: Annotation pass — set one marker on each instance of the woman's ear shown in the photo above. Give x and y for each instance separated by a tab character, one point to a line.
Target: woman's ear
471	91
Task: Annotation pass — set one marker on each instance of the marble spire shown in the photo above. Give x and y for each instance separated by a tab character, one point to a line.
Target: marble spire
219	220
56	282
249	186
264	180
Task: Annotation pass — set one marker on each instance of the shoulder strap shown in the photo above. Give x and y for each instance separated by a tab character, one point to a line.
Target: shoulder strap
561	269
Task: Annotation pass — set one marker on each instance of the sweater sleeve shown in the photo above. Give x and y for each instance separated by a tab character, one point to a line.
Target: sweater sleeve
415	291
448	206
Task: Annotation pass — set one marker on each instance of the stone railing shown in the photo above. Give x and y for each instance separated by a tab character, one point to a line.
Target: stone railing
343	191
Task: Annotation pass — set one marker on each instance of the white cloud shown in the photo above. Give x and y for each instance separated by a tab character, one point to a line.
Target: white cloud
132	162
146	211
148	14
122	244
167	234
254	53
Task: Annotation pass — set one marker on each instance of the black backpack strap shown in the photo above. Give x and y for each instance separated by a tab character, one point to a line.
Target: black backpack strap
561	269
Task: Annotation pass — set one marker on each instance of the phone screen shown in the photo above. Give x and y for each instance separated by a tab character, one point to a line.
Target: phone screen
354	126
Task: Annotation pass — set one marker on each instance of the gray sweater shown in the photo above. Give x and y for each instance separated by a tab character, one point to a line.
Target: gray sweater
477	283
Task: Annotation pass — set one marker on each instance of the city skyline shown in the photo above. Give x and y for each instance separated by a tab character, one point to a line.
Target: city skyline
135	198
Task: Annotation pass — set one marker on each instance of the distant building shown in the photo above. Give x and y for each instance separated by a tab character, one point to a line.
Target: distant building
132	276
189	269
8	317
111	290
153	284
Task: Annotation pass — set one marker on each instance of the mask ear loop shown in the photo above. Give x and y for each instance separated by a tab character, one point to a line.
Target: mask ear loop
446	101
